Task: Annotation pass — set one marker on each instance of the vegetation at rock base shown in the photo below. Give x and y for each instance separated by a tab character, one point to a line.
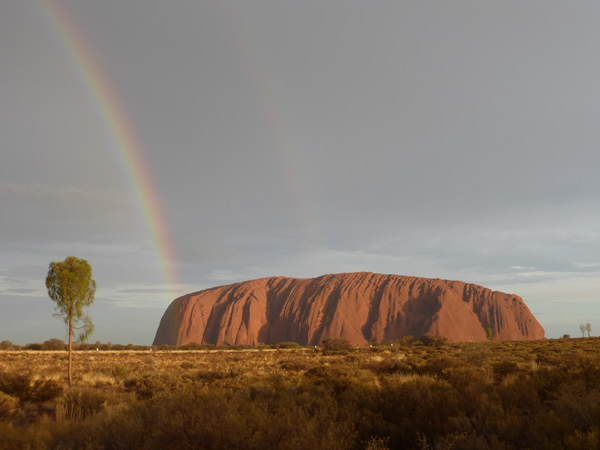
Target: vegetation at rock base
422	394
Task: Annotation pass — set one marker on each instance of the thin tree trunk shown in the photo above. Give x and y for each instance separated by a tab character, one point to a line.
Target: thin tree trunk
70	341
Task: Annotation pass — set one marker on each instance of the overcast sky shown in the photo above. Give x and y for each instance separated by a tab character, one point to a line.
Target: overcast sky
440	139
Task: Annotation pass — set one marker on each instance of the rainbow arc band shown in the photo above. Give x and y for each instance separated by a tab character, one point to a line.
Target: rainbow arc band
105	99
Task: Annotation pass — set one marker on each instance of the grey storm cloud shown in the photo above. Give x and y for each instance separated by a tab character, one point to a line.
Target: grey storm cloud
451	140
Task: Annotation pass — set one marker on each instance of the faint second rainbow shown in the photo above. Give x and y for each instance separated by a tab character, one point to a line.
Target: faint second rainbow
270	104
119	127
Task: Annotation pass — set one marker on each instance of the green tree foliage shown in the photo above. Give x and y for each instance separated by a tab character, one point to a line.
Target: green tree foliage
71	287
53	344
288	345
336	344
430	340
7	345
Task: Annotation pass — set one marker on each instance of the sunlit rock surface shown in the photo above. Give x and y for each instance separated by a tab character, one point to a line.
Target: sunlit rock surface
360	307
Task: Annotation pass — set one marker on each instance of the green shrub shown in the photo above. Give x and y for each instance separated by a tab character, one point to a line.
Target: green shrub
34	346
119	371
390	366
26	390
15	384
503	368
9	406
583	440
210	376
186	365
377	443
336	344
262	346
432	341
80	403
442	366
317	372
146	386
477	353
416	406
295	365
196	346
14	437
7	345
54	344
44	390
288	345
407	340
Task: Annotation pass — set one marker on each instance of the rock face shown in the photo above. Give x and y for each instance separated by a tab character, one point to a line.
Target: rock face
360	307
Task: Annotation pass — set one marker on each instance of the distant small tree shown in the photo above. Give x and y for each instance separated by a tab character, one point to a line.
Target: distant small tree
288	345
431	340
582	328
53	344
407	340
70	285
477	353
6	345
490	334
588	328
336	344
33	346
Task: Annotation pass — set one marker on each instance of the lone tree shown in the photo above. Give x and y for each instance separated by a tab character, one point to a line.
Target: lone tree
71	286
588	328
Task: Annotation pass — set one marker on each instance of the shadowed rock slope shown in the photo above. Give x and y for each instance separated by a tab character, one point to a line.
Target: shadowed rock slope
360	307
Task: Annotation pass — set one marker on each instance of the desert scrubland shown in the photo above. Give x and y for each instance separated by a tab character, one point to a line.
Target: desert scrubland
426	394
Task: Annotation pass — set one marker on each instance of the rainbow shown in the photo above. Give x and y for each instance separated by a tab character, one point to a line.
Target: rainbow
106	101
275	120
